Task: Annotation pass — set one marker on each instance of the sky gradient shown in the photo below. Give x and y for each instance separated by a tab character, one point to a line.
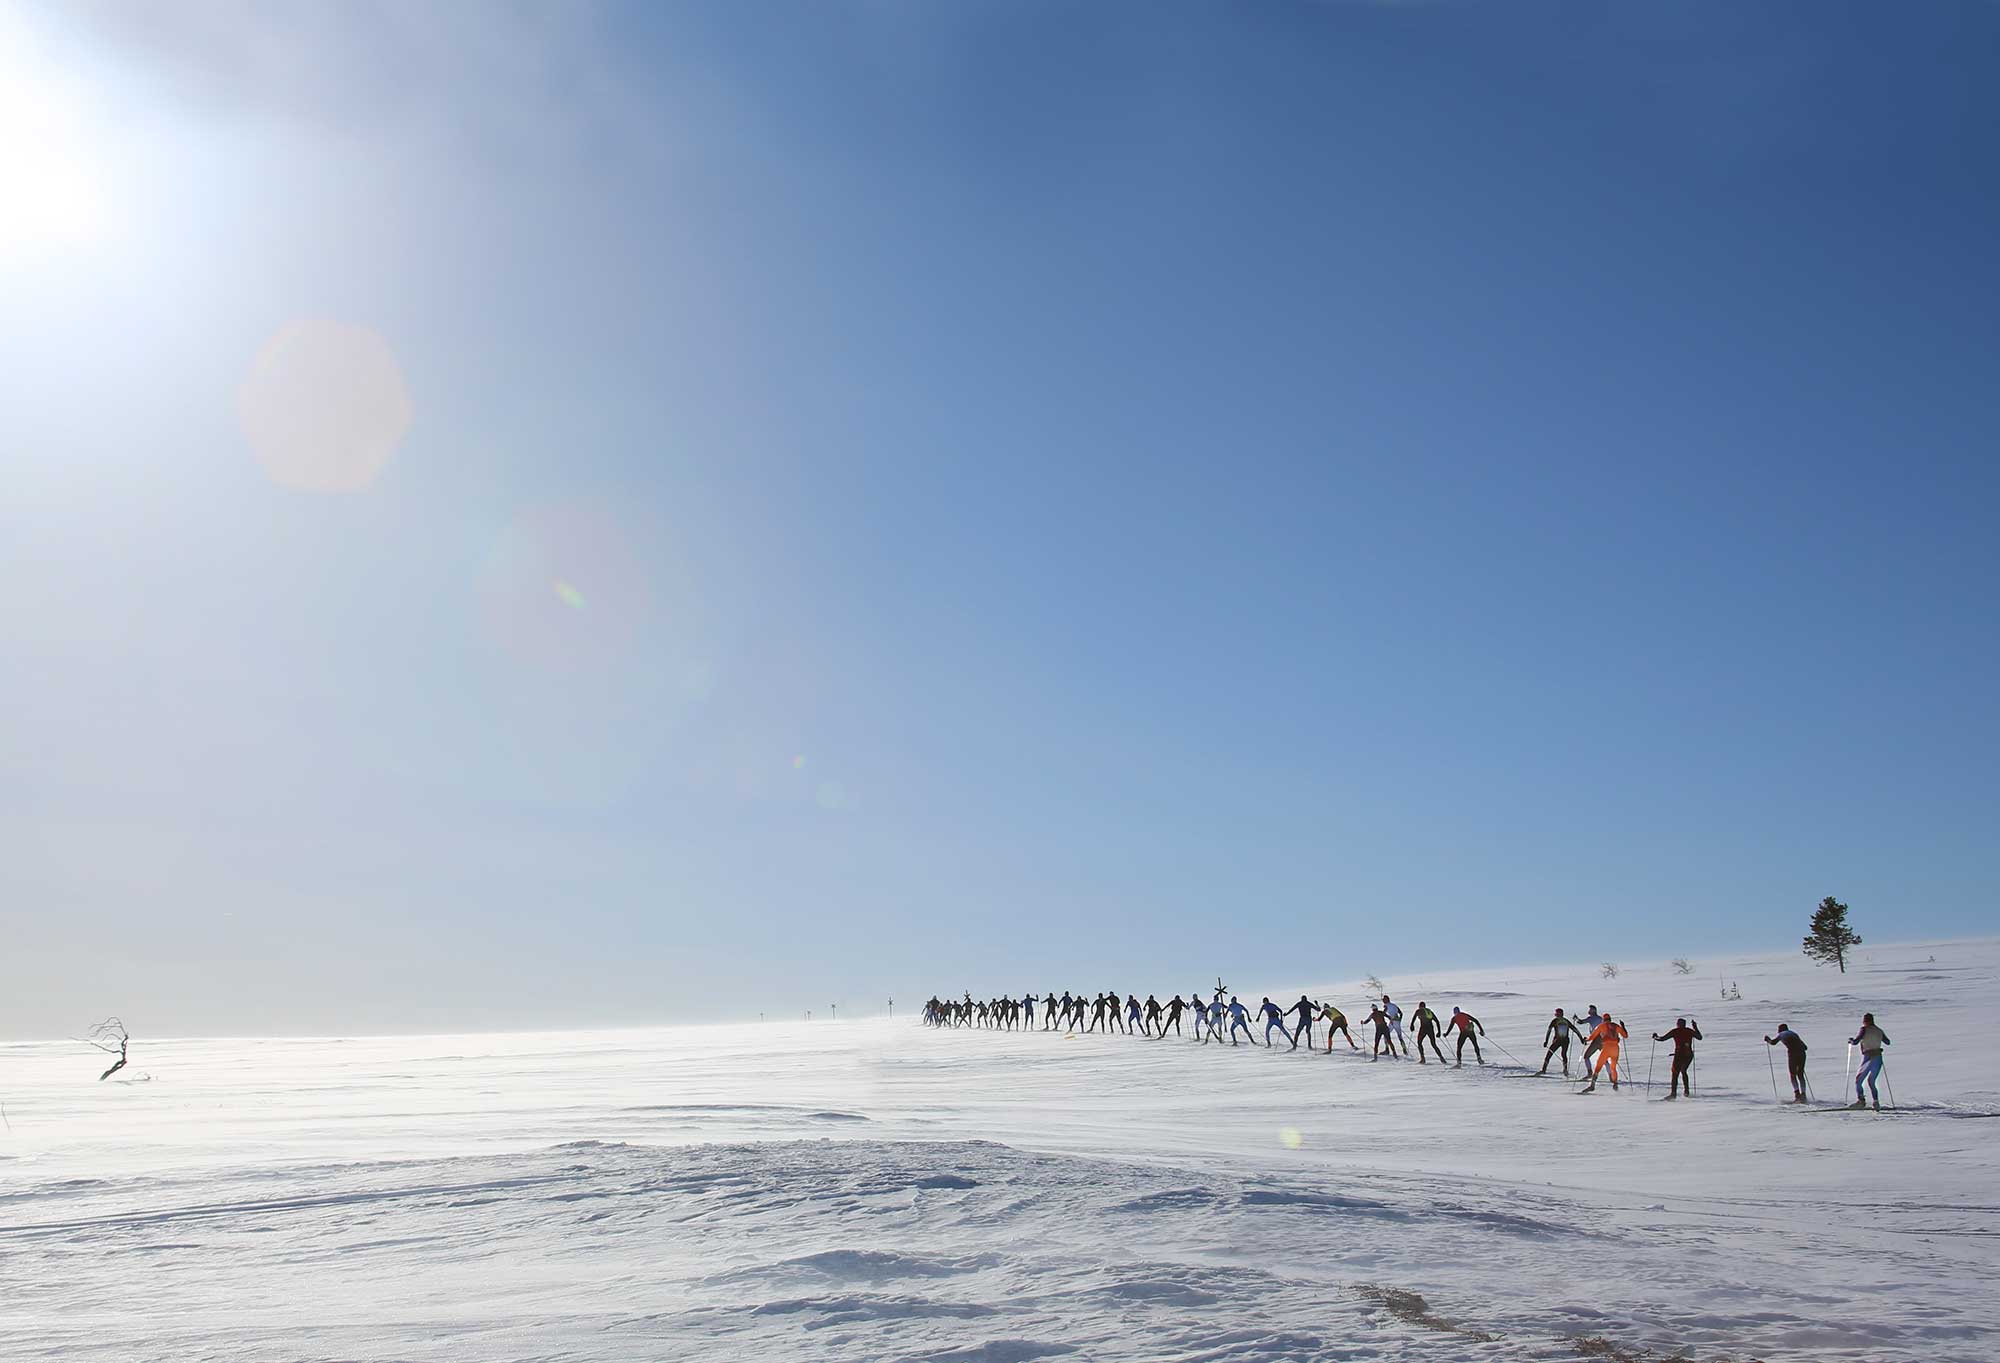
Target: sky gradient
527	514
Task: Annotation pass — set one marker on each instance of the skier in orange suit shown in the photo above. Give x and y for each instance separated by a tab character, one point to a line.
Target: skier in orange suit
1607	1036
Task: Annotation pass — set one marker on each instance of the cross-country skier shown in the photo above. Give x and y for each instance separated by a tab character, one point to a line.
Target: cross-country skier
1871	1039
1470	1029
1604	1039
1274	1016
1589	1030
1172	1018
1795	1058
1239	1017
1132	1015
1683	1036
1394	1012
1336	1021
1556	1037
1427	1031
1218	1012
1382	1040
1154	1027
1307	1011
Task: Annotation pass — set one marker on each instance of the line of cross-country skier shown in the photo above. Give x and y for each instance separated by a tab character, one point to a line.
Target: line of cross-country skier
1600	1036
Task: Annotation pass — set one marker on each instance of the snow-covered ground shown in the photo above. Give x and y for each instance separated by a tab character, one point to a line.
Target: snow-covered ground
876	1190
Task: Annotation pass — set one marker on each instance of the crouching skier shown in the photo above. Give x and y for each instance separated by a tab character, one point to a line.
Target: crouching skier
1795	1058
1336	1021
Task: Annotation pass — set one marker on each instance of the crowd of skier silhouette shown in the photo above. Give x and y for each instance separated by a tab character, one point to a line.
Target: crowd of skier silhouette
1224	1017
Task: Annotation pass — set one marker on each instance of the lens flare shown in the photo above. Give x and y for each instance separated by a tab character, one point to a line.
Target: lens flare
1291	1138
324	406
570	595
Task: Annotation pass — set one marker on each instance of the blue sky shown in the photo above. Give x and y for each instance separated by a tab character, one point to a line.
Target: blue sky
898	497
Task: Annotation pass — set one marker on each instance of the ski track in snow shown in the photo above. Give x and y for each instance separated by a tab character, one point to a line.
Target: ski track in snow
876	1190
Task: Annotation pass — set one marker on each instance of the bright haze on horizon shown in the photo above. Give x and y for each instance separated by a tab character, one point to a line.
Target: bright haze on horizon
535	514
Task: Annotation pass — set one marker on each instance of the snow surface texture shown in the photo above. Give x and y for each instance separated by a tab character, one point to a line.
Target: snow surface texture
878	1190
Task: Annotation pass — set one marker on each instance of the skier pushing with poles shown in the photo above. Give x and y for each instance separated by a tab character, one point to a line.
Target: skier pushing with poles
1336	1021
1382	1041
1394	1013
1795	1058
1239	1017
1203	1018
1683	1036
1274	1016
1871	1039
1606	1039
1427	1030
1557	1038
1588	1028
1308	1011
1470	1029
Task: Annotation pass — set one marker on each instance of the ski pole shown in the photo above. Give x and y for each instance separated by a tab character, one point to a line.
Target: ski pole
1892	1089
1649	1068
1772	1065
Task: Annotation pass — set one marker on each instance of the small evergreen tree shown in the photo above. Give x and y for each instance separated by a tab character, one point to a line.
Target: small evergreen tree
1830	937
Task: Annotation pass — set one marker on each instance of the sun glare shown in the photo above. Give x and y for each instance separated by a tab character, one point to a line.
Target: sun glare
50	192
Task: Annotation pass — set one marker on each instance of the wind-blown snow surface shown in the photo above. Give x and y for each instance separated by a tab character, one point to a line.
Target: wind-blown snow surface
877	1190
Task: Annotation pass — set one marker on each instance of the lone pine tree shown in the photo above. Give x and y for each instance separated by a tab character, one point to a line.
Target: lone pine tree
1830	937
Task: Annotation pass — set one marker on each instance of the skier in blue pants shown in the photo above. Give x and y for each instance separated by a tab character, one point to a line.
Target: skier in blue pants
1307	1010
1871	1039
1273	1016
1239	1016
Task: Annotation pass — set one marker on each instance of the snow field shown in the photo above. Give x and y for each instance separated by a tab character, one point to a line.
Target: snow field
878	1190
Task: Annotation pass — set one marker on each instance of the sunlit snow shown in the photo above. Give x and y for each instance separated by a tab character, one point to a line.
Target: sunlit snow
873	1189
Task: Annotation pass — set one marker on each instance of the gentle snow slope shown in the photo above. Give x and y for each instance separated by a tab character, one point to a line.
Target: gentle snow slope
876	1190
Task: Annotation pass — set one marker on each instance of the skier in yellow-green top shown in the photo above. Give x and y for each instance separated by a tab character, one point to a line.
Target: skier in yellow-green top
1427	1031
1336	1021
